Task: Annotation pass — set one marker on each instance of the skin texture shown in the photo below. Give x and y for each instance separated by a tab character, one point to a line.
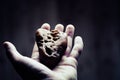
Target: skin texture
33	69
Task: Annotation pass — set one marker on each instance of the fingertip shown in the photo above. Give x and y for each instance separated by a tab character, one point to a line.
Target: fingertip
78	39
79	42
11	51
9	46
70	26
59	27
6	44
45	26
70	30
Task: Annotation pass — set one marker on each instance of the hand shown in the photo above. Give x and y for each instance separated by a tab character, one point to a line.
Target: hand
32	69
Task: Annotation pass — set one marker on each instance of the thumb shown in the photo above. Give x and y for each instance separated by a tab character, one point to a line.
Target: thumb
28	68
11	51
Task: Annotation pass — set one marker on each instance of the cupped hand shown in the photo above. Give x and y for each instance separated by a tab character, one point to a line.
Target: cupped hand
33	69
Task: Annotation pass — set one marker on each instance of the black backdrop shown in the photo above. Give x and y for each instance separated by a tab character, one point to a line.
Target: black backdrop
96	21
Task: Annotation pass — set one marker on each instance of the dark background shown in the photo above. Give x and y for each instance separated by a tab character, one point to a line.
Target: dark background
96	21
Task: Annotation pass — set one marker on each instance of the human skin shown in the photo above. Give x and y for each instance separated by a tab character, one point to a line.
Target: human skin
32	69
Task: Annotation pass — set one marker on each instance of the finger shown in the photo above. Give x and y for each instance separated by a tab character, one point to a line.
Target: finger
45	26
35	53
59	27
30	69
71	61
77	48
70	32
26	67
11	51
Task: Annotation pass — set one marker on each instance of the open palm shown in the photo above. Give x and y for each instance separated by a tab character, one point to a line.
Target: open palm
32	69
